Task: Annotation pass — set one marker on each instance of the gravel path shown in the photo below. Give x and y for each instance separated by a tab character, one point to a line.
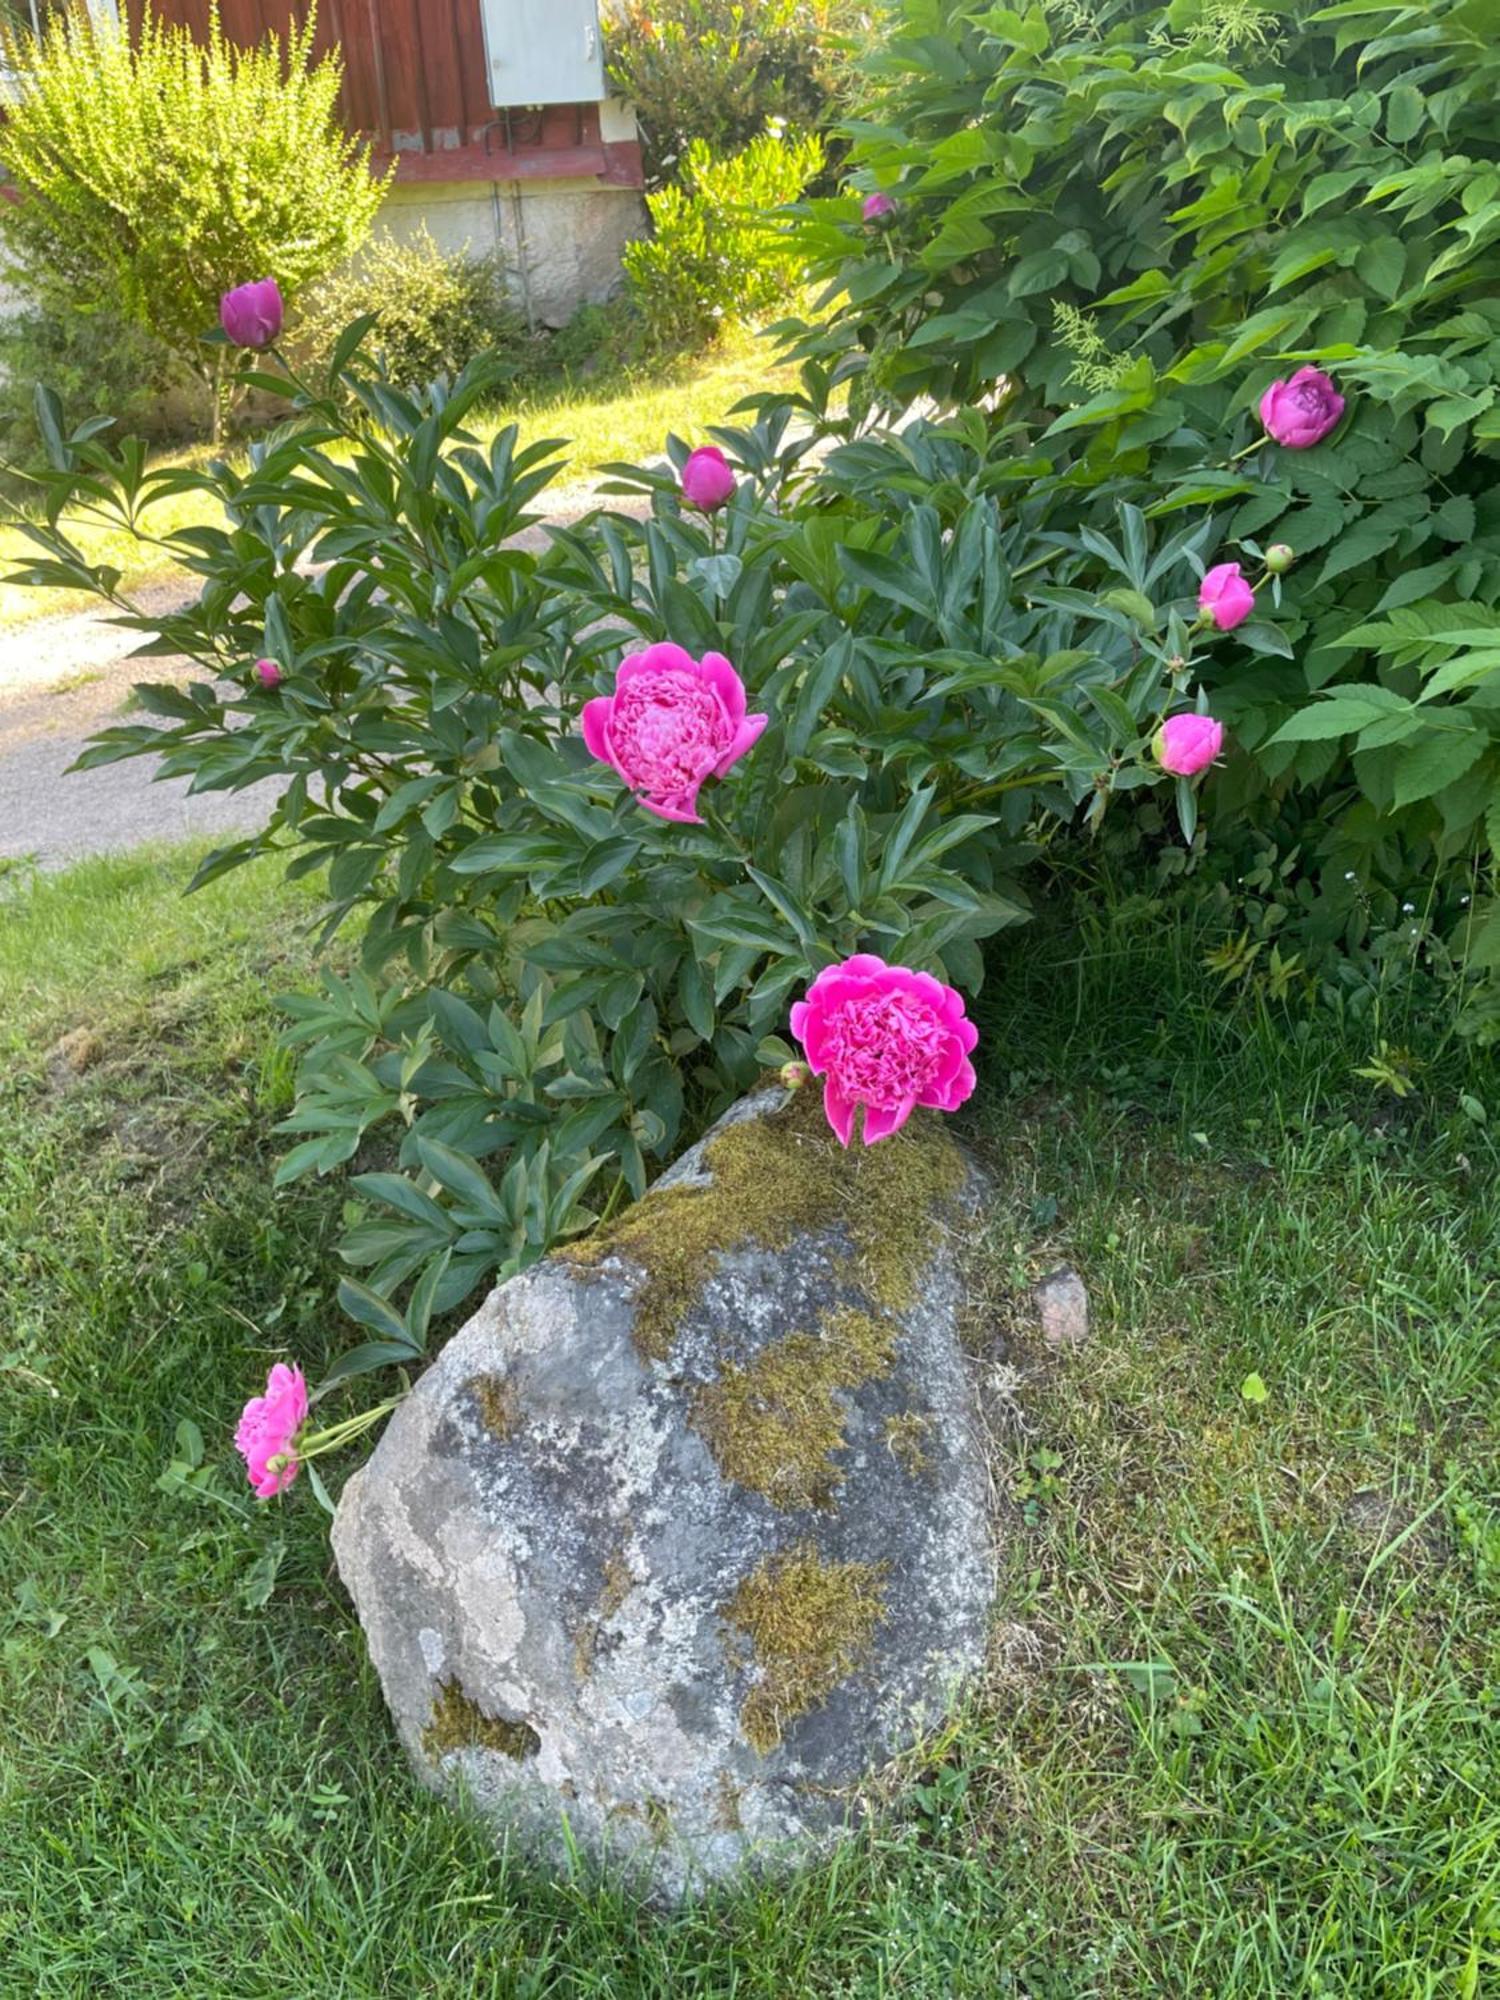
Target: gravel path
63	678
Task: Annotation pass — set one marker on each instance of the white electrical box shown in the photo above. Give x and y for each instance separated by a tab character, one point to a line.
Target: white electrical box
543	52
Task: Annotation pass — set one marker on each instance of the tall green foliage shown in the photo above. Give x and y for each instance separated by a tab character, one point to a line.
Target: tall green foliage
1116	225
559	985
720	253
717	70
154	173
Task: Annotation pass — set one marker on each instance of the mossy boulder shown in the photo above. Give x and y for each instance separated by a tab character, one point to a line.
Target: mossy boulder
686	1533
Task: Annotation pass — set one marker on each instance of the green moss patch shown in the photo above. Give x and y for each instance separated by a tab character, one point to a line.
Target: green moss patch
775	1424
809	1624
459	1723
907	1436
618	1584
774	1179
498	1404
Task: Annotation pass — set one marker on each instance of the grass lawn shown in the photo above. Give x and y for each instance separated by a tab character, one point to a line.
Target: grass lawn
1239	1736
619	419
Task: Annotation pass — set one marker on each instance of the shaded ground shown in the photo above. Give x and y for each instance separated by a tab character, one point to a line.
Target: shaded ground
1238	1740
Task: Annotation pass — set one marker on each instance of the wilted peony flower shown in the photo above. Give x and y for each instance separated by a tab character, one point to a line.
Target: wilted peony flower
1279	558
877	207
671	722
887	1038
1303	411
267	1433
707	481
1186	744
1226	597
252	314
268	673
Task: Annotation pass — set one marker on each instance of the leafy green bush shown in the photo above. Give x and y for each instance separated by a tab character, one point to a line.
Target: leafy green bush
719	70
1116	225
101	363
154	174
434	311
719	253
557	986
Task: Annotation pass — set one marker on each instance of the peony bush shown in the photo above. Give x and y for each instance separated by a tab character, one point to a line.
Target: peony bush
1177	255
618	817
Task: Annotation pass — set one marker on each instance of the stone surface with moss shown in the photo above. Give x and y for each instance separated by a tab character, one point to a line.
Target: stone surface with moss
700	1504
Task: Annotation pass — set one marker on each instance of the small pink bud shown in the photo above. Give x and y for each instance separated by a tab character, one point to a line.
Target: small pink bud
1187	744
252	314
707	480
1279	558
1225	597
878	208
793	1075
268	673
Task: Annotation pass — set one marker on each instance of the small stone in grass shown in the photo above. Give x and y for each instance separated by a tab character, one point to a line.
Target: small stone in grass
1062	1305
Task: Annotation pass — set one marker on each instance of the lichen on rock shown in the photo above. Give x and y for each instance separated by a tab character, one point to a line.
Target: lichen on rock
809	1623
655	1500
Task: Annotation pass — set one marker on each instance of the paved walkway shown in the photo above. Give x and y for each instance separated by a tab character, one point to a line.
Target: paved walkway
61	679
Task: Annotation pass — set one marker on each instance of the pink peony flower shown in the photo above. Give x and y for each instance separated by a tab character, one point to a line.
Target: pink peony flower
1303	411
268	673
252	314
1226	597
886	1038
671	722
268	1430
707	481
1186	744
877	207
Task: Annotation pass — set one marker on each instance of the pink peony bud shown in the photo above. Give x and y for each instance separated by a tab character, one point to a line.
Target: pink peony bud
268	673
671	722
1187	744
266	1437
707	481
887	1038
792	1075
1279	558
877	207
1303	411
1226	597
252	314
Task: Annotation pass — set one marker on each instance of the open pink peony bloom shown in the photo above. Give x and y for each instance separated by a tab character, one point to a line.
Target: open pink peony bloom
1187	744
707	481
1303	411
268	1430
886	1038
252	314
1226	596
268	673
671	722
877	207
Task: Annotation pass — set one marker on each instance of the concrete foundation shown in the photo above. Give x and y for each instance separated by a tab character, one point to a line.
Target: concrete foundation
559	240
